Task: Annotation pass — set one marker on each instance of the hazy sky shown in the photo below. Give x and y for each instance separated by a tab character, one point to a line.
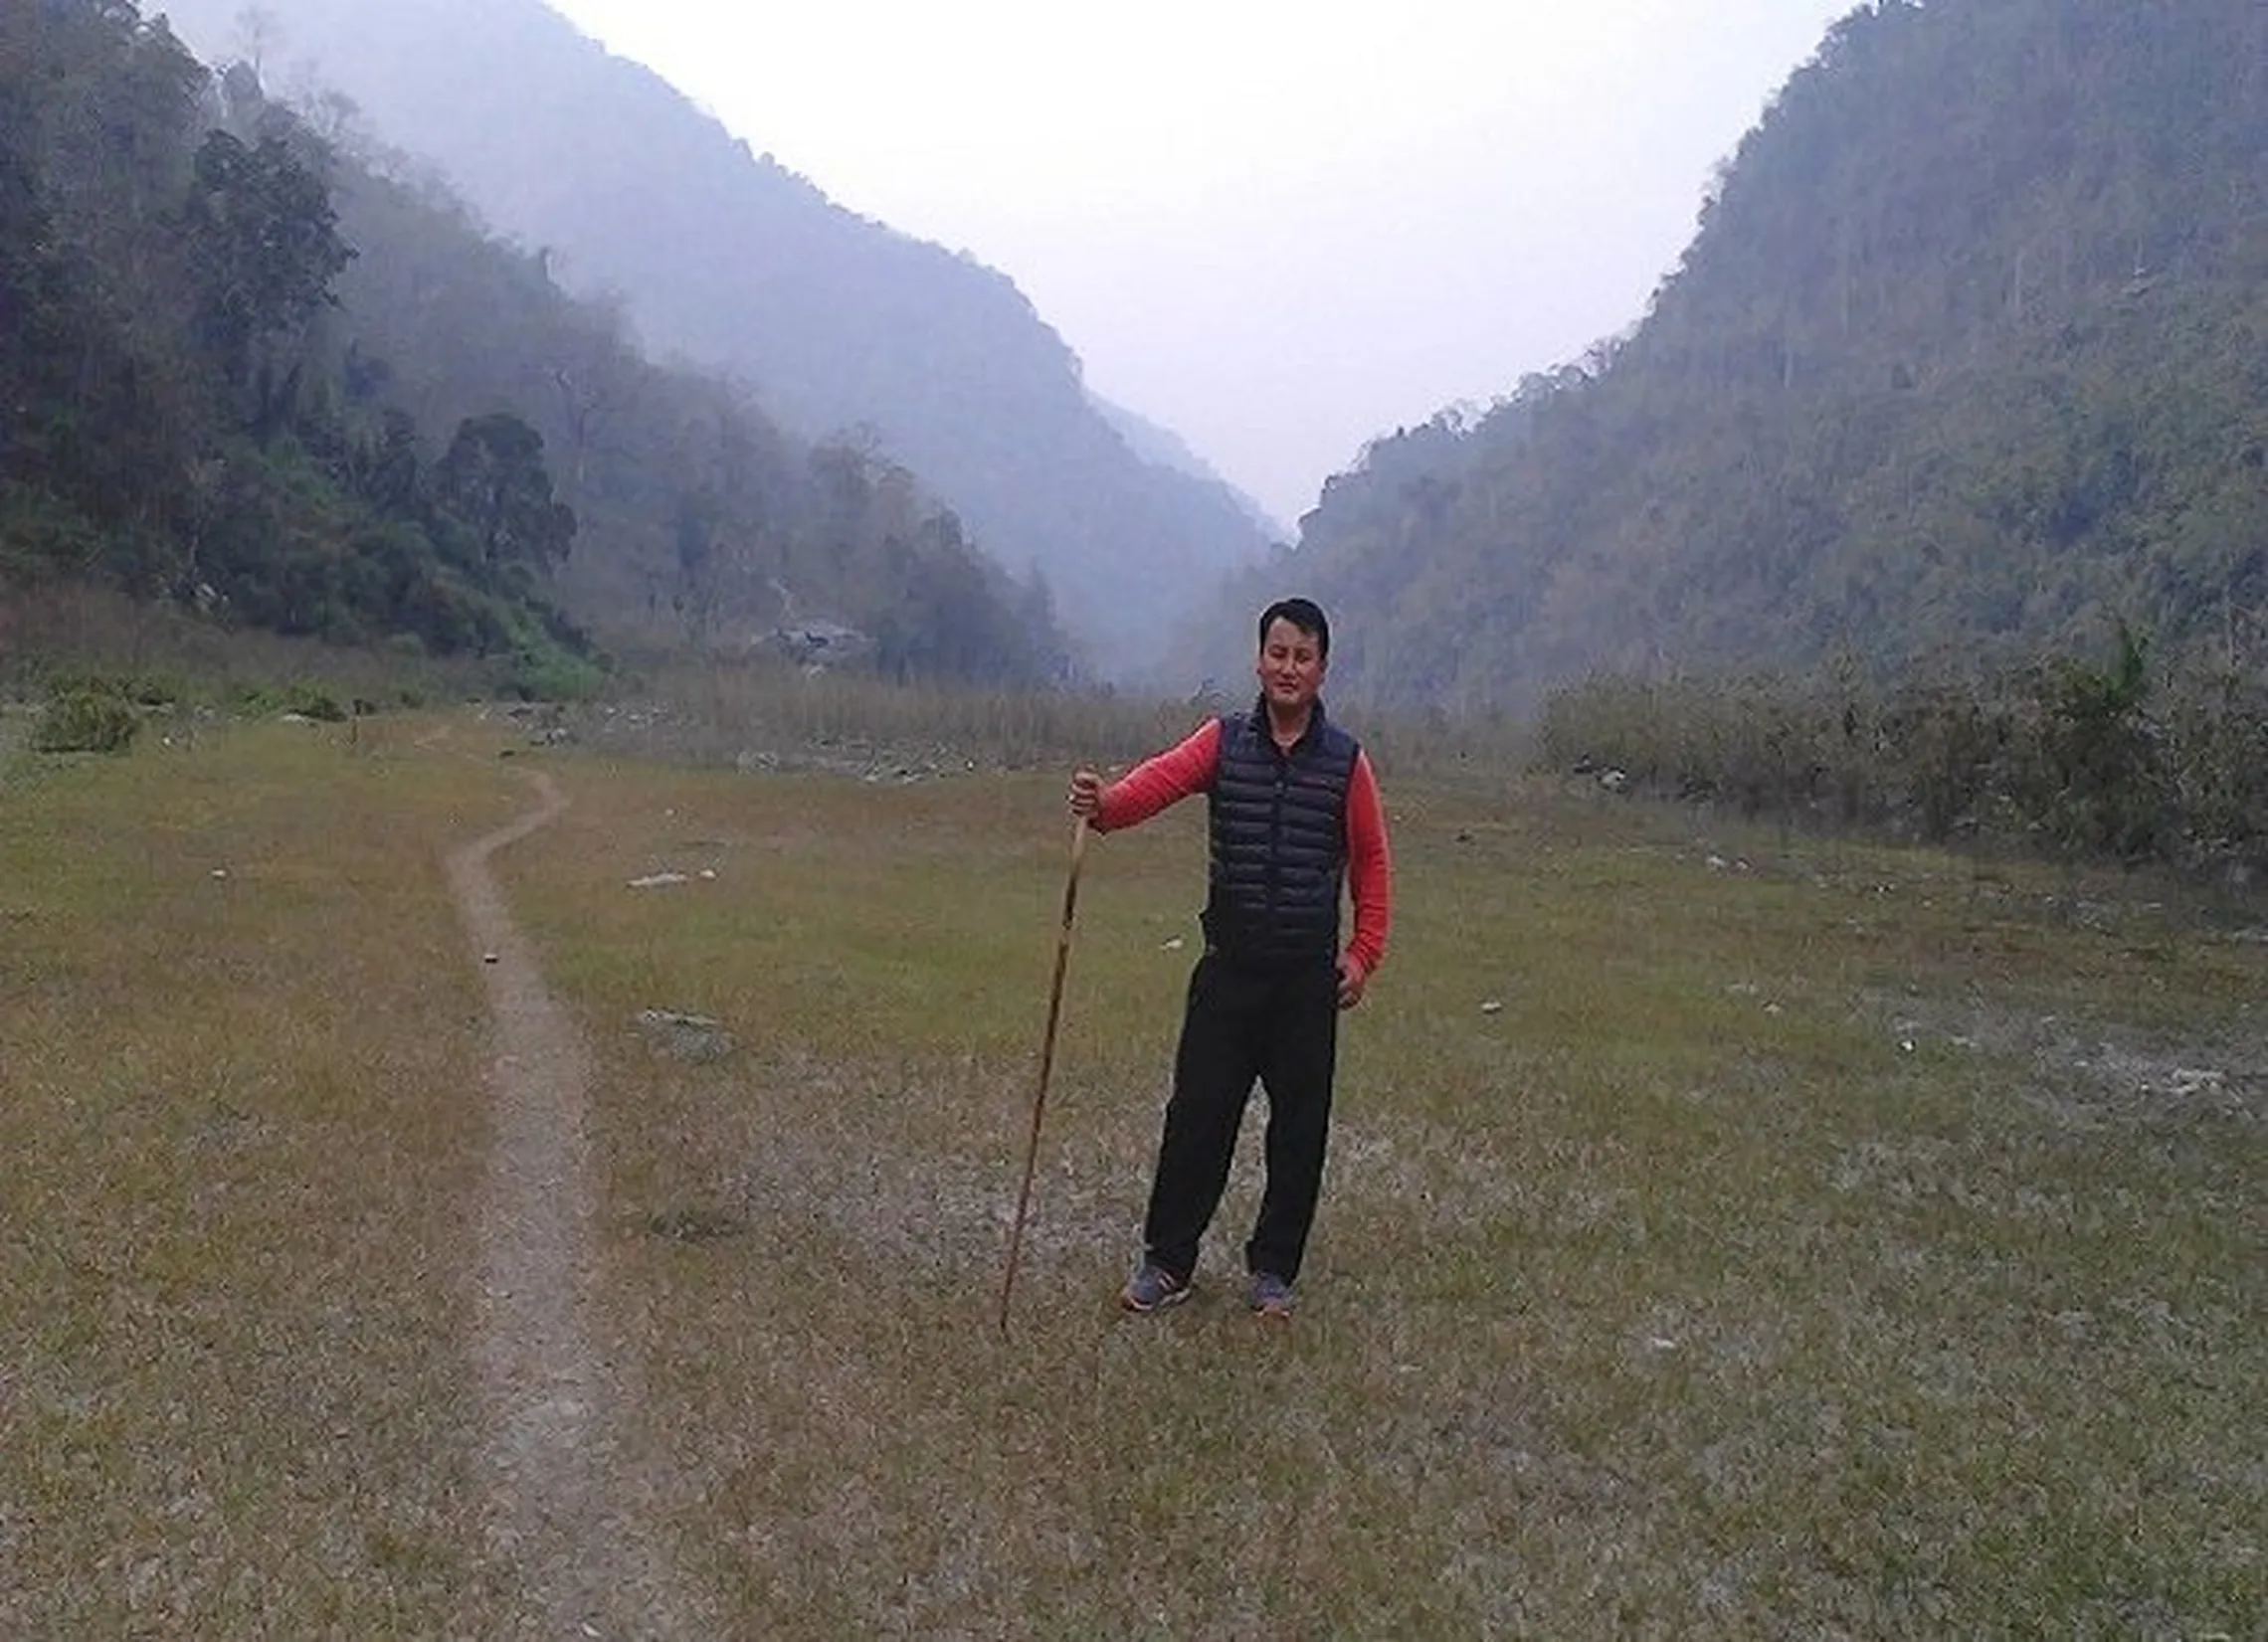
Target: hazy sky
1278	227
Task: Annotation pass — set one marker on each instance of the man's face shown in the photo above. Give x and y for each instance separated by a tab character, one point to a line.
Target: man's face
1291	667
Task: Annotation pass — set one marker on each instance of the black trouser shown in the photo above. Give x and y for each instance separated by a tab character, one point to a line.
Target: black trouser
1281	1025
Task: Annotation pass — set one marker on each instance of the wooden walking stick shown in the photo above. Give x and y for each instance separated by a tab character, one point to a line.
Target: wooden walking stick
1047	1063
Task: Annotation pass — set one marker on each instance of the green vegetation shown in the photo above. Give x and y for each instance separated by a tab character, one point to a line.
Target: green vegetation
178	423
58	637
723	255
85	720
1965	356
2064	758
254	376
1727	1232
310	701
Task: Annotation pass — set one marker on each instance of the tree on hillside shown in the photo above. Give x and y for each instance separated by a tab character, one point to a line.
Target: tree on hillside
594	372
263	246
492	482
699	544
386	468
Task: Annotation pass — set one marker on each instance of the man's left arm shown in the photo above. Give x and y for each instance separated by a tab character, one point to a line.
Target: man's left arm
1370	880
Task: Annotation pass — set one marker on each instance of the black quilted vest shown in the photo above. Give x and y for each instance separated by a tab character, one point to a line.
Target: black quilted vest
1279	840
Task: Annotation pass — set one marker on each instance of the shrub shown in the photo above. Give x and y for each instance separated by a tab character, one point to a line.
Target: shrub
2065	755
545	672
41	537
86	721
307	700
314	701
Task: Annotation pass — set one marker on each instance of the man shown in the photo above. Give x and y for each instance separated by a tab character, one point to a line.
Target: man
1294	817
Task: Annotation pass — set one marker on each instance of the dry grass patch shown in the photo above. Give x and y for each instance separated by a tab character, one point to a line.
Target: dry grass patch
1718	1279
239	1061
1725	1235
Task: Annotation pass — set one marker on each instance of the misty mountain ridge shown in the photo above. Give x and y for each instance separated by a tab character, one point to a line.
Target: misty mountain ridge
1966	356
1161	447
834	321
245	373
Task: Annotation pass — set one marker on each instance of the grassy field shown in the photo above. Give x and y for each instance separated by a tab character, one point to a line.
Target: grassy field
1725	1235
237	1040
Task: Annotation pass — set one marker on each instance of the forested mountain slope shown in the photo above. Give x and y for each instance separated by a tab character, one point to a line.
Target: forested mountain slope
1968	353
838	323
246	372
174	414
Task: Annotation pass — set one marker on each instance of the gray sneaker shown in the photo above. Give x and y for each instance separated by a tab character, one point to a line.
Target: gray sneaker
1270	1296
1153	1288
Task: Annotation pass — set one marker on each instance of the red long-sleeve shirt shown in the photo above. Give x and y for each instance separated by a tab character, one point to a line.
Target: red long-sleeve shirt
1187	768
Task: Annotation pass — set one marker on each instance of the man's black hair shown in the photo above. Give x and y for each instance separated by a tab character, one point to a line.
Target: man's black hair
1306	614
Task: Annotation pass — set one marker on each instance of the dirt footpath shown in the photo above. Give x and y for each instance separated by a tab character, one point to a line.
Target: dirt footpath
565	1530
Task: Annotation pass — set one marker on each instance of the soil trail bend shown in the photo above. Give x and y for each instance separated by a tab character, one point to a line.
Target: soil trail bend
566	1537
